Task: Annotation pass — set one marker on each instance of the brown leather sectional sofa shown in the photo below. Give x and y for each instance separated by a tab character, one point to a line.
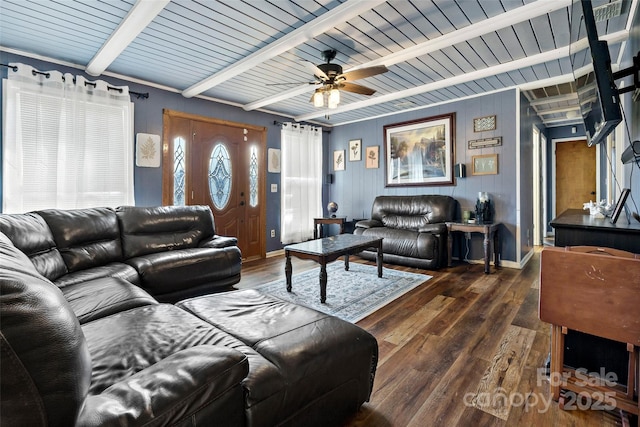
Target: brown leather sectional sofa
86	341
413	227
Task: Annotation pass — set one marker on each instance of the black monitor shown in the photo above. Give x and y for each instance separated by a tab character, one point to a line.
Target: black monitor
591	64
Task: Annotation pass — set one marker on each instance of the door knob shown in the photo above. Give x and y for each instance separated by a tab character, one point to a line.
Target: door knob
242	203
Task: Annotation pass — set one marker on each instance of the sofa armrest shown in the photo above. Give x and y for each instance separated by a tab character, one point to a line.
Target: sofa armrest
219	242
369	223
172	390
438	228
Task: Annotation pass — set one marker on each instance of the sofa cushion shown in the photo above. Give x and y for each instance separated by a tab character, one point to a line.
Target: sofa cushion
147	230
126	343
93	299
31	234
406	222
45	365
175	389
170	271
85	237
434	208
119	270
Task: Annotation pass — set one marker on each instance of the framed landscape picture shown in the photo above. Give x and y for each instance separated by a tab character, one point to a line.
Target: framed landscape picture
420	152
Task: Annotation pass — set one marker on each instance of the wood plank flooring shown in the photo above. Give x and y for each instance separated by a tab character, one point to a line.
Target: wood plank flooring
465	348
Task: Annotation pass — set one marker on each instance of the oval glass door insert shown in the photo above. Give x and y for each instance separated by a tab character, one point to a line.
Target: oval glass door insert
220	176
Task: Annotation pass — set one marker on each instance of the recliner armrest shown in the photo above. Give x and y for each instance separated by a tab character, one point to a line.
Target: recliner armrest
369	223
437	228
219	242
171	390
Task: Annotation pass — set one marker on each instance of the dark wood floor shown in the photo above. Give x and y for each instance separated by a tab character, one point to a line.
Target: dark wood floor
454	349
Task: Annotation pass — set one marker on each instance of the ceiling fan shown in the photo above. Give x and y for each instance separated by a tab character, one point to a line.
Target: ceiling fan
333	80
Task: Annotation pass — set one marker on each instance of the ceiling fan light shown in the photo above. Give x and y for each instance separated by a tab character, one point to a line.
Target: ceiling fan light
334	98
318	99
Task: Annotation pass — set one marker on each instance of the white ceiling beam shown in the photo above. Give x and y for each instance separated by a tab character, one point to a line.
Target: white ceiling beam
140	15
548	111
512	17
528	61
558	98
441	84
321	24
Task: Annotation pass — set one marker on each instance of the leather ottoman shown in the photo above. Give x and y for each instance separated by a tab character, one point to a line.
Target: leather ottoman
324	366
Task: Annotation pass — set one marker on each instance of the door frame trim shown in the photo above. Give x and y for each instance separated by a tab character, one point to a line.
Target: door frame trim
167	164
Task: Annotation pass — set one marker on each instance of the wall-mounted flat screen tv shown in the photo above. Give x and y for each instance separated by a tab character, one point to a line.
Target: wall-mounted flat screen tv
591	63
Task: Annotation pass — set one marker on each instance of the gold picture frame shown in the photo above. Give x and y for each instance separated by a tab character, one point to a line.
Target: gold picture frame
484	164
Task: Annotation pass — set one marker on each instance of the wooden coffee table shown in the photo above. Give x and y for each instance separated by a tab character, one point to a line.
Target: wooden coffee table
329	249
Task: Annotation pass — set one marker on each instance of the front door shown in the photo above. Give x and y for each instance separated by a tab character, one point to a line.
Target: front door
223	168
575	175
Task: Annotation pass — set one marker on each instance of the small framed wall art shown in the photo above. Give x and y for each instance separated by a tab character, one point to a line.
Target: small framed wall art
338	160
273	162
482	124
148	150
485	164
372	157
355	150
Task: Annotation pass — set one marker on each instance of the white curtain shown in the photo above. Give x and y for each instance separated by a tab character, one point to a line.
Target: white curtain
301	181
68	142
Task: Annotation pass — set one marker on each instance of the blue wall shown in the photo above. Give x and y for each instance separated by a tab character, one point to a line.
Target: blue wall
356	187
148	119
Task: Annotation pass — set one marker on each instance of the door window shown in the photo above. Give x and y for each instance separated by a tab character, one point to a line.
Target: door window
178	171
253	177
220	176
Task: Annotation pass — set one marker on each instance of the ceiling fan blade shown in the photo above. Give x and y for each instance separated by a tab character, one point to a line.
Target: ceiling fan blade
316	71
352	87
363	72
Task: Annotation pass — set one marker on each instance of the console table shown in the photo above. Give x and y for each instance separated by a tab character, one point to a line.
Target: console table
491	236
575	227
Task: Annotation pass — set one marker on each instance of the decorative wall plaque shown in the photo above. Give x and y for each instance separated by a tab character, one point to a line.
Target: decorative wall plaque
484	143
482	124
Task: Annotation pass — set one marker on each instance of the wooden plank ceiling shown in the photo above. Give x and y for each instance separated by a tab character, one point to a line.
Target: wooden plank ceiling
254	52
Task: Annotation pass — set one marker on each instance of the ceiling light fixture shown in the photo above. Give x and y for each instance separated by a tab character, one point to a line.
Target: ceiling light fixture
328	95
334	98
140	15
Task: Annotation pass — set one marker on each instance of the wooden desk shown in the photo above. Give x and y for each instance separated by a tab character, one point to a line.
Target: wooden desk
491	236
317	222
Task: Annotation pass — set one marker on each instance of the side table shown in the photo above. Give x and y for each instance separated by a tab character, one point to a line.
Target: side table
491	236
317	222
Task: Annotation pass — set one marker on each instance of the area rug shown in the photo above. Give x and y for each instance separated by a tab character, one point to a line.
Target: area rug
351	295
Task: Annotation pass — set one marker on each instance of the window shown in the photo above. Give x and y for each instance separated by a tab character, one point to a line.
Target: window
301	181
68	142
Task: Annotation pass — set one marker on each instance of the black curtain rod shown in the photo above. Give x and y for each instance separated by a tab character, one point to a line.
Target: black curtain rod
47	75
277	123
